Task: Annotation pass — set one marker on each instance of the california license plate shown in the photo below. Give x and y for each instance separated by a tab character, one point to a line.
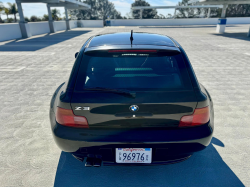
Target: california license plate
133	155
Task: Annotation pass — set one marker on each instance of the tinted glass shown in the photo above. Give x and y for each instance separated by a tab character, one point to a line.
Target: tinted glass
124	39
133	71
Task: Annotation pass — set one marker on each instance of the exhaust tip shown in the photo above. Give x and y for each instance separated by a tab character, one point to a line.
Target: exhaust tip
97	162
89	162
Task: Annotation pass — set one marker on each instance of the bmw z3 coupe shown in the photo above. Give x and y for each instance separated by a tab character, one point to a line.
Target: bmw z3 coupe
131	99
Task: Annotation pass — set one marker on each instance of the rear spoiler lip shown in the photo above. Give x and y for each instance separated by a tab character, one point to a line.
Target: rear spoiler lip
127	47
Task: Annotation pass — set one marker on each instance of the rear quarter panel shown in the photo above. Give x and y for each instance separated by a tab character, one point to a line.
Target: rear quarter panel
54	103
210	103
62	95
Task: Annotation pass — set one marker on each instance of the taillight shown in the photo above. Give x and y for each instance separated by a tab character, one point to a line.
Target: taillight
66	117
199	117
132	51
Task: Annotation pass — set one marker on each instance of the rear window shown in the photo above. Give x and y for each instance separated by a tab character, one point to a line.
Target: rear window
133	71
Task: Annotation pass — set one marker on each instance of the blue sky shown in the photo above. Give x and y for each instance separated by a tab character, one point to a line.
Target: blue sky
123	6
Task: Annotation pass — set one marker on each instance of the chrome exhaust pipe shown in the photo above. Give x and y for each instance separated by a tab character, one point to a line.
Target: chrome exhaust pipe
97	162
89	162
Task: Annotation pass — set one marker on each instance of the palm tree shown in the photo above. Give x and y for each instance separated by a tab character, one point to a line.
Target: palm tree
55	12
1	9
7	12
13	9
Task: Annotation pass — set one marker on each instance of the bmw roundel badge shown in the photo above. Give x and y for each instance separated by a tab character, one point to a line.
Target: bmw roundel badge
133	108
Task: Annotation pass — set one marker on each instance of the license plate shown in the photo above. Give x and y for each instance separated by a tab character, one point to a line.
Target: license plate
133	155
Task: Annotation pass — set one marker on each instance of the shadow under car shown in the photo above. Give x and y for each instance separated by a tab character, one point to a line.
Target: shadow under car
204	168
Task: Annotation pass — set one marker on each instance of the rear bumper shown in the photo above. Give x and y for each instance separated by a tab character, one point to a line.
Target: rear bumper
170	142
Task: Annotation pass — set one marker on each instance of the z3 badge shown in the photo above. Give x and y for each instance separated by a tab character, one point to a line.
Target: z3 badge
81	108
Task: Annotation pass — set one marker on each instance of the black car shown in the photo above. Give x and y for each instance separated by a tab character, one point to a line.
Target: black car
131	99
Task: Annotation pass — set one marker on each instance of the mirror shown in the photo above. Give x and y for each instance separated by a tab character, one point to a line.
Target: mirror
76	54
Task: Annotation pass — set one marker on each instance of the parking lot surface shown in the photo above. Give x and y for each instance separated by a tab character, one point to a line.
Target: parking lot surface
31	69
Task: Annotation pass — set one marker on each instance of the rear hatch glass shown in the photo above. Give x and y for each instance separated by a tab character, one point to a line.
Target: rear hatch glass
138	71
163	90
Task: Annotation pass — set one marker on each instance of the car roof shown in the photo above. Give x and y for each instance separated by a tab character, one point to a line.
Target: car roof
124	39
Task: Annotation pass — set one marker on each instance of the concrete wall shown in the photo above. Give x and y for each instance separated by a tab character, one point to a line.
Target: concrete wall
91	23
238	20
73	24
59	25
39	28
10	31
176	22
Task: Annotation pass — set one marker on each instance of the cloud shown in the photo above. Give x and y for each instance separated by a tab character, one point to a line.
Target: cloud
170	3
38	9
162	2
122	6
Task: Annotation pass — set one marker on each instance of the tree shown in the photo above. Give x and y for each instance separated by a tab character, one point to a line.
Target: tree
100	9
90	13
45	17
26	19
10	20
1	9
215	13
129	15
238	10
7	12
106	9
116	15
195	12
55	14
185	12
161	16
169	16
13	9
233	10
33	18
146	13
